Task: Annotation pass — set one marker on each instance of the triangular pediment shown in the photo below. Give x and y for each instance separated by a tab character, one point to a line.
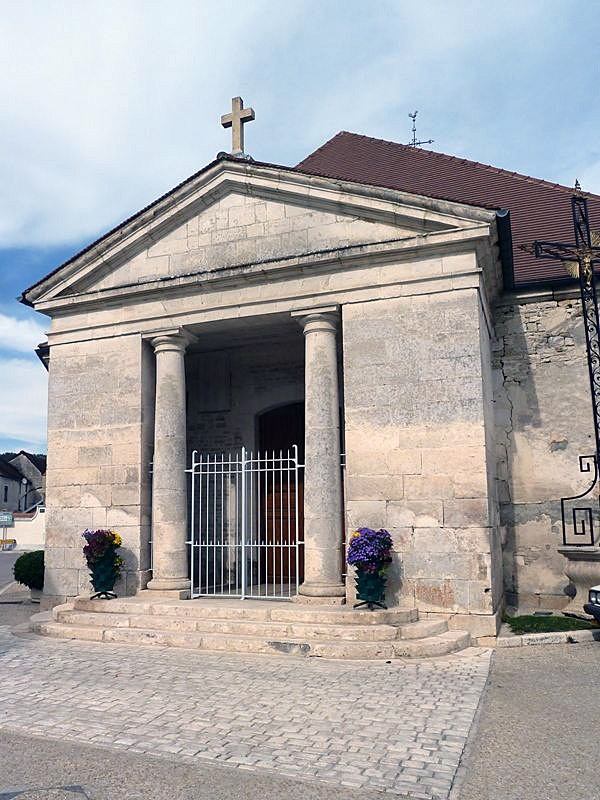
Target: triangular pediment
241	229
237	214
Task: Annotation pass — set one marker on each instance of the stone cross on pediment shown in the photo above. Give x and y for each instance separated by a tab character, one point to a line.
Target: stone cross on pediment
236	121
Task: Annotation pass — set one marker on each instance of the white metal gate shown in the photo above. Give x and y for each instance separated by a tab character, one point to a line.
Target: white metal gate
246	524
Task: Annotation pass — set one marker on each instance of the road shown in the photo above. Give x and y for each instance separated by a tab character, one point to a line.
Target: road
7	560
535	737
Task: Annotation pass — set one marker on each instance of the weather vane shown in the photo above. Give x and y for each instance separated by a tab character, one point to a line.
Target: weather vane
414	142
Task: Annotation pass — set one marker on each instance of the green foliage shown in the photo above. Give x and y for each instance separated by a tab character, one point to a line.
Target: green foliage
536	624
29	569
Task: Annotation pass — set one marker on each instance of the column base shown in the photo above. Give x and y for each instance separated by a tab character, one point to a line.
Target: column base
321	593
177	588
306	600
167	594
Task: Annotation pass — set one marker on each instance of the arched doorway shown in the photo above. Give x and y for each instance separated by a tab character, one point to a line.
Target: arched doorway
279	430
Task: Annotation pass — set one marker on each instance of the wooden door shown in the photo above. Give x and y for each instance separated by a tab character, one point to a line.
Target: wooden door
279	430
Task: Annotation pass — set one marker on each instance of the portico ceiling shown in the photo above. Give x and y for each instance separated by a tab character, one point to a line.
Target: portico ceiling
239	332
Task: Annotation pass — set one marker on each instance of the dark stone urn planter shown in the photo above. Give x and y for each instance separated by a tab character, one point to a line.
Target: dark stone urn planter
370	553
104	575
370	589
103	560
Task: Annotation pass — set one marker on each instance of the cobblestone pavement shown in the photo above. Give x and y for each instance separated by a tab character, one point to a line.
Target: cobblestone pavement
398	727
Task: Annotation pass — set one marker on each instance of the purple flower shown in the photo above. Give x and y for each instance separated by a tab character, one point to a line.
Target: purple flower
370	550
98	544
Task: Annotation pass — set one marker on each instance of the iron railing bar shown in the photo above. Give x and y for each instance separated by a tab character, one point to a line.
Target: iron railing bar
281	530
290	539
222	537
296	517
192	522
243	476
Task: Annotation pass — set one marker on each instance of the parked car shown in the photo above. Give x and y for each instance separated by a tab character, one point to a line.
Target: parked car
592	607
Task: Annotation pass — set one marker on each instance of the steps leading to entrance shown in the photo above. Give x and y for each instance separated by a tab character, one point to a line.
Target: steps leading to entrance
254	627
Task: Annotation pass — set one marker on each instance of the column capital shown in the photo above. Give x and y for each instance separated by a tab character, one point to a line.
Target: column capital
170	339
324	318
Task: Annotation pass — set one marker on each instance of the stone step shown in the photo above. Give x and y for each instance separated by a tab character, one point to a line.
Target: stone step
422	628
448	642
253	626
257	610
218	642
244	627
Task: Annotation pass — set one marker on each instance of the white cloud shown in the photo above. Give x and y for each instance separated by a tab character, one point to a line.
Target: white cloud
20	335
112	102
109	103
24	403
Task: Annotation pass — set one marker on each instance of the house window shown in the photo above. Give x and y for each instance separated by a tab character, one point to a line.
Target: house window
5	494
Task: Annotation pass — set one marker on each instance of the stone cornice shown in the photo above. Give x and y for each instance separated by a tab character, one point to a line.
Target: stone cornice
231	306
350	258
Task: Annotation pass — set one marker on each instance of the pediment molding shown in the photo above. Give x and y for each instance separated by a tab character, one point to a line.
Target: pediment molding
422	221
353	258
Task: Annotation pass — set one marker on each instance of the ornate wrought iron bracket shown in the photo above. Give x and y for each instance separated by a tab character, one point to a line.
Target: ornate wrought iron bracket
580	521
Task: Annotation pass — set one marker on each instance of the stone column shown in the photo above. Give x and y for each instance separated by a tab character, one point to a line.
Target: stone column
322	477
169	493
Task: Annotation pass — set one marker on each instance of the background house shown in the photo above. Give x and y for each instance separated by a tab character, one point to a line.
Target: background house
23	481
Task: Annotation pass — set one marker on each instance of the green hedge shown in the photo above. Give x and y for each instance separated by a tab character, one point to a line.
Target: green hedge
29	569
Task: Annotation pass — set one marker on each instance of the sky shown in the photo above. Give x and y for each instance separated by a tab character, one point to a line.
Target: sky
106	105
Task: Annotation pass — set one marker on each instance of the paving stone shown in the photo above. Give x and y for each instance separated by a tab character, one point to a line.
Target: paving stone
395	727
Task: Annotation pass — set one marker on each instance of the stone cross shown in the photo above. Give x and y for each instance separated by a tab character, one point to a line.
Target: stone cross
236	121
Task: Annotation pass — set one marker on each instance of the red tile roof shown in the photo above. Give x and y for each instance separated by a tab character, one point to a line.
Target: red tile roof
538	209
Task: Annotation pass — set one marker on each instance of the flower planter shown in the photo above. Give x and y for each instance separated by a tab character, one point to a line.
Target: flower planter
370	552
104	574
35	595
103	561
370	588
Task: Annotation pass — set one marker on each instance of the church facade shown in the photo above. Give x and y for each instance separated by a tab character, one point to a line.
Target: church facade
426	377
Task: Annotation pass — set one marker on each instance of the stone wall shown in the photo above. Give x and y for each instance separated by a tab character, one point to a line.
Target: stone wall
97	475
11	489
416	449
543	424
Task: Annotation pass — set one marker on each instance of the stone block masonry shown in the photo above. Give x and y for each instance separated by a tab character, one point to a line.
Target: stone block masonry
228	389
543	423
97	452
239	229
416	421
229	259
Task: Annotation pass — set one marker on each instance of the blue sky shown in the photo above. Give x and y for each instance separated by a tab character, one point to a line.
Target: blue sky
106	105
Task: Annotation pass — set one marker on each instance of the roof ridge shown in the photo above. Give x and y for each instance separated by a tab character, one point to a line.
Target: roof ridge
491	167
